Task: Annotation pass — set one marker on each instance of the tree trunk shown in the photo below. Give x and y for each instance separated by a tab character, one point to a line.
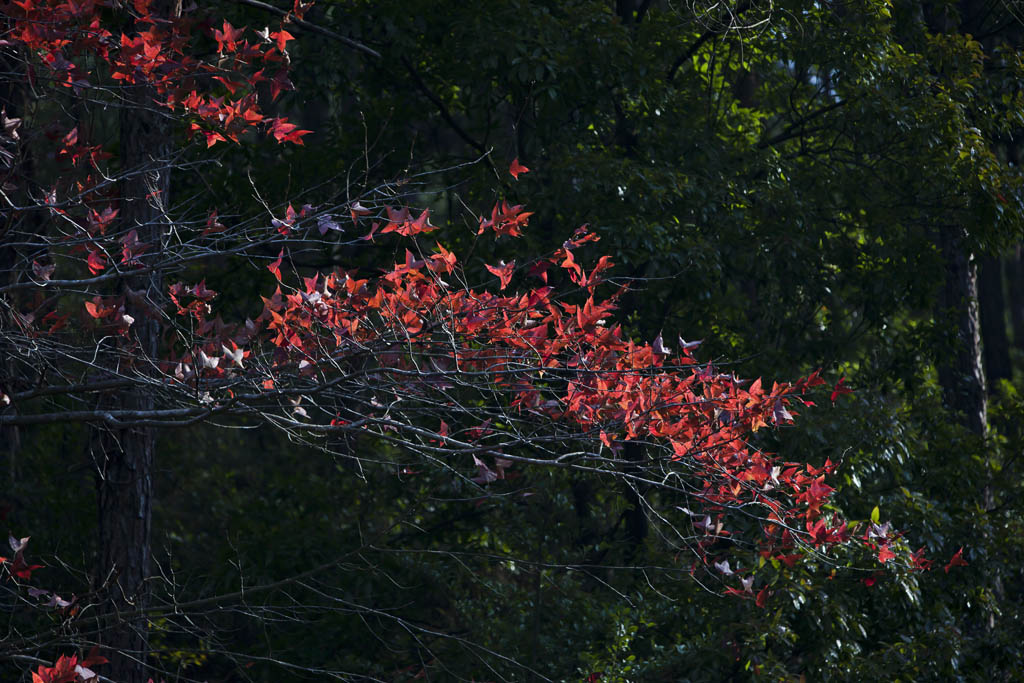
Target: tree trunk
1015	280
126	455
993	321
960	370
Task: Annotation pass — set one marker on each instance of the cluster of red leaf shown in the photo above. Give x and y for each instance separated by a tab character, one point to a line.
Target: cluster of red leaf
553	360
160	55
560	363
70	669
65	39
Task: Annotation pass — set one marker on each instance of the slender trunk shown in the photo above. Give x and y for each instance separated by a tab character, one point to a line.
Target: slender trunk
126	456
960	370
636	514
993	321
961	376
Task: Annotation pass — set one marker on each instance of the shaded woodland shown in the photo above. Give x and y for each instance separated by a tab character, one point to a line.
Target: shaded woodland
224	482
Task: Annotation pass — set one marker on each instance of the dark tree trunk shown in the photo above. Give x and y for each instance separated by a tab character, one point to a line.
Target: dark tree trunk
125	504
125	455
636	514
960	370
993	321
1015	282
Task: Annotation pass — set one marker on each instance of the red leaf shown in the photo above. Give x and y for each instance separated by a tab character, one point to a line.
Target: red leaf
100	221
201	292
839	389
444	259
790	560
516	168
762	598
275	267
919	561
373	229
228	37
884	554
357	210
287	132
503	272
24	571
94	658
98	309
97	262
279	83
213	137
213	225
281	38
957	560
55	321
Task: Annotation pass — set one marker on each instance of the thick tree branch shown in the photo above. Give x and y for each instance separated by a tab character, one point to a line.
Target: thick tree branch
118	419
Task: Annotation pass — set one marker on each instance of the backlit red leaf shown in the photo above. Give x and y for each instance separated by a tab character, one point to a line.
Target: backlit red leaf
517	168
97	262
885	554
275	266
957	560
503	272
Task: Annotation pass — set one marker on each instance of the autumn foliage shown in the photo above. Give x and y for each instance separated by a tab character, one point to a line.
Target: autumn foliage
482	370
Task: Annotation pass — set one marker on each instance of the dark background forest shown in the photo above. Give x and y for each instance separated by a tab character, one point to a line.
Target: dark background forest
800	185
